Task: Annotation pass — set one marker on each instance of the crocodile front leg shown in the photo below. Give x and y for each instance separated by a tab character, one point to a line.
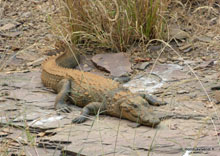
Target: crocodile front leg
91	108
63	89
152	100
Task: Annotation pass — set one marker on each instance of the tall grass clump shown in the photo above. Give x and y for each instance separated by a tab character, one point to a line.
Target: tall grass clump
115	24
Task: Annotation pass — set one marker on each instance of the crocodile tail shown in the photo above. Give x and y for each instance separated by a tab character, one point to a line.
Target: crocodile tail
49	58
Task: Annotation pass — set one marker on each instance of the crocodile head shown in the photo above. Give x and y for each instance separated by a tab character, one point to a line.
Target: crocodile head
137	109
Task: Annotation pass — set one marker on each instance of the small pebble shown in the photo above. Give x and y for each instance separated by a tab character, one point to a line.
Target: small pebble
182	92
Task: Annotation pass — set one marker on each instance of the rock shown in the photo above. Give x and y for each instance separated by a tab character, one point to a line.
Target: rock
182	92
179	34
37	62
11	34
7	26
162	60
206	39
155	47
30	55
168	72
86	68
117	64
144	83
143	65
217	96
193	95
122	79
168	93
177	59
215	87
186	48
181	63
205	64
26	14
189	62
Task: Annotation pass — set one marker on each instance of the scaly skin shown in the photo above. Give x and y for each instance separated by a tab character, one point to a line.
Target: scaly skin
94	93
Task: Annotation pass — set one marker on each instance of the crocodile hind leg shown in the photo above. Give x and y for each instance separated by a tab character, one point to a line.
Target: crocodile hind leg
63	89
91	108
152	100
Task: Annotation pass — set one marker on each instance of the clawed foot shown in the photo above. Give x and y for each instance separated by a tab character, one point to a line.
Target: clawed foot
79	119
63	108
153	101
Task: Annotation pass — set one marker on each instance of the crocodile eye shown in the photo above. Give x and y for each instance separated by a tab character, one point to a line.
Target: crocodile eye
135	106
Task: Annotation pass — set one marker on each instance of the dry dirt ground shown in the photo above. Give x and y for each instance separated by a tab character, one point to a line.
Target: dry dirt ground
30	126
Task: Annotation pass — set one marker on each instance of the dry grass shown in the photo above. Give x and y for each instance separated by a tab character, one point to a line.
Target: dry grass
115	24
199	18
121	24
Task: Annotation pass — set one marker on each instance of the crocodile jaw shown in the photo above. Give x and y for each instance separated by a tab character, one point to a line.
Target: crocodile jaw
146	117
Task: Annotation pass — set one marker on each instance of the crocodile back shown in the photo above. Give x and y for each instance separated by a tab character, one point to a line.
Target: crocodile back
52	73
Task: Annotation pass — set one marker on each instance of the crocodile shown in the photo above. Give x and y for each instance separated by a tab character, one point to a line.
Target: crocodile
96	94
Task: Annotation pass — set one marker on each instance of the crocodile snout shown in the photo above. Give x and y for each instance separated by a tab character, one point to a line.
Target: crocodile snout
150	120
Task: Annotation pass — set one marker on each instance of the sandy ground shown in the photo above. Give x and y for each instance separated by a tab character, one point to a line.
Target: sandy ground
30	125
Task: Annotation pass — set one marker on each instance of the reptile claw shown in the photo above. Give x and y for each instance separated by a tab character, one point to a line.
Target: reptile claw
65	109
79	119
